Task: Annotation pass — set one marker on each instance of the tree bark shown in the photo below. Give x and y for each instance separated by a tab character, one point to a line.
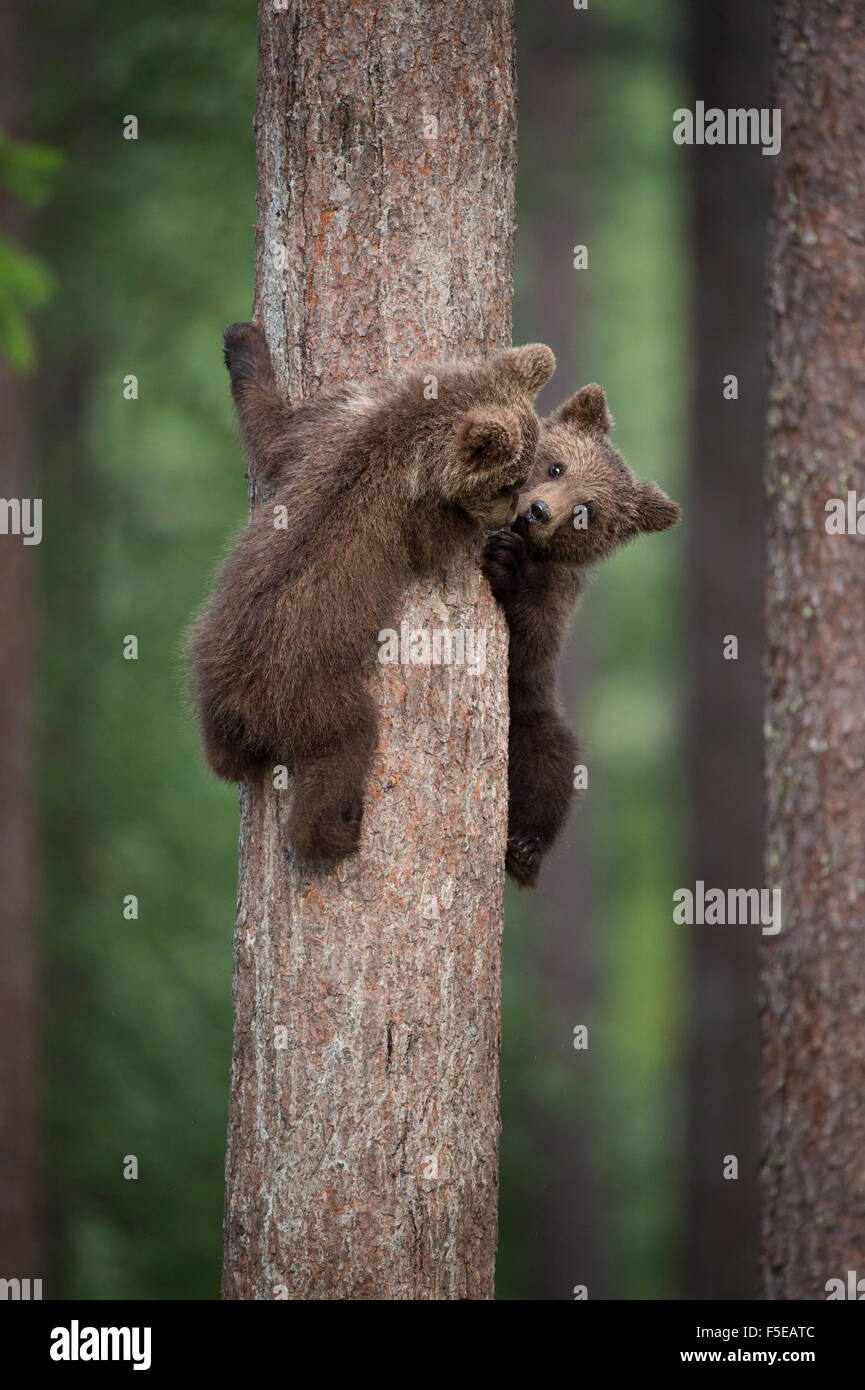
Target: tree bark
813	1008
20	1187
729	53
362	1154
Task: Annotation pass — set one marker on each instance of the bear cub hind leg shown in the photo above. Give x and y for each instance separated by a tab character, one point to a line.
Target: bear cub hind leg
541	757
327	807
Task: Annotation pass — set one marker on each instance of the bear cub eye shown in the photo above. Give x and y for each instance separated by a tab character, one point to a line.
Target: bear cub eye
556	469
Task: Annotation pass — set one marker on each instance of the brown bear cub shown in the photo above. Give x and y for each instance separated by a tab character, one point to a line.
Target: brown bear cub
580	504
366	486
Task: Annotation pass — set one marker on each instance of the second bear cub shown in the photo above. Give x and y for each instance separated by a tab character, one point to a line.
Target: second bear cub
580	504
369	486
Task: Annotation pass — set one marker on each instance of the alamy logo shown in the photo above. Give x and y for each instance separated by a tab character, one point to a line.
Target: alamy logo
21	516
712	907
436	646
845	516
20	1290
76	1343
739	126
854	1288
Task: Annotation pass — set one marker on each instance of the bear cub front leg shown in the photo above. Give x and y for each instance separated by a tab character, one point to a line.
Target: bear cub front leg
265	415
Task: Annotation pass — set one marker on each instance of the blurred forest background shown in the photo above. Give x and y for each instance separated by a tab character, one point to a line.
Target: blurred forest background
129	257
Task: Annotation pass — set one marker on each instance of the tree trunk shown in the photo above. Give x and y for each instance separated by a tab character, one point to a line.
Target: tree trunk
813	1010
362	1153
558	1192
20	1194
19	1180
730	50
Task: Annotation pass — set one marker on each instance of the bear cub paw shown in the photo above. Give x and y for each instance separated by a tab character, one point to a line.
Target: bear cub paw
523	860
245	352
322	837
504	562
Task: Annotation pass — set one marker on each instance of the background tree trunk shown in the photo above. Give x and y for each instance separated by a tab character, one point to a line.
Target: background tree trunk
813	1011
729	55
362	1155
20	1186
558	1191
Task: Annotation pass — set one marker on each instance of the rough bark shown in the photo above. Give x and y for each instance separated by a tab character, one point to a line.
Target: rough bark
814	1007
20	1195
729	60
362	1155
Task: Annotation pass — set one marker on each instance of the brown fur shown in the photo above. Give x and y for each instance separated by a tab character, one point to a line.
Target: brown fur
379	483
537	571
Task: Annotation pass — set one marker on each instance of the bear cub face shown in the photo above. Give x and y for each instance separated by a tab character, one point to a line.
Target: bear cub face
582	501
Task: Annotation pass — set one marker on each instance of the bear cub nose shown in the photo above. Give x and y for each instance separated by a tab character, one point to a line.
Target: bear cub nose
539	511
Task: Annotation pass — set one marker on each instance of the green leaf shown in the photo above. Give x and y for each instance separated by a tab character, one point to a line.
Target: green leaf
25	284
26	170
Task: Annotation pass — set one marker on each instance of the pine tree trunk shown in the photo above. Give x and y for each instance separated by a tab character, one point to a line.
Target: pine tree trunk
561	1220
20	1188
813	1009
730	51
19	1165
363	1139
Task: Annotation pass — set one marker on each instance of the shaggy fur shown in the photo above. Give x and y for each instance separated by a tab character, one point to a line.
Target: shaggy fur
378	483
537	571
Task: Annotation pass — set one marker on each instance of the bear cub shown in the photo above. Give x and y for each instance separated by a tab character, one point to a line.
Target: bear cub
365	485
581	503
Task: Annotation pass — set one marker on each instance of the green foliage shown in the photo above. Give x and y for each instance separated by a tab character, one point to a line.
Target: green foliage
25	285
634	717
26	174
152	243
27	170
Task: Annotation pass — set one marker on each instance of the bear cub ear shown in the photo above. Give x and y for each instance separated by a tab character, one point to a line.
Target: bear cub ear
655	510
529	367
489	438
587	410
